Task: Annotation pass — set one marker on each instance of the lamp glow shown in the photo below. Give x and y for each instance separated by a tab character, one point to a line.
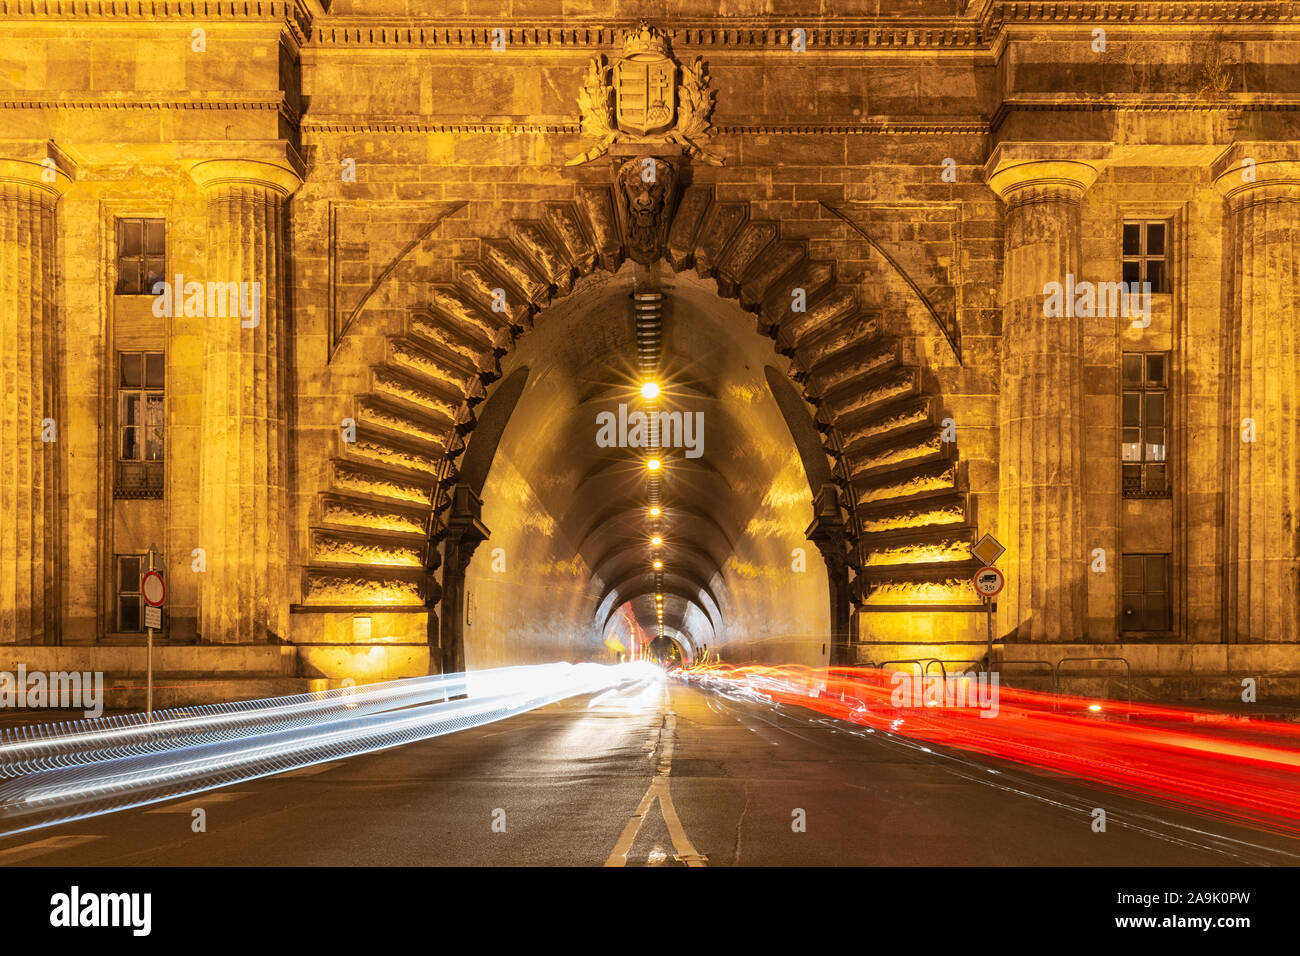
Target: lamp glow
653	464
650	390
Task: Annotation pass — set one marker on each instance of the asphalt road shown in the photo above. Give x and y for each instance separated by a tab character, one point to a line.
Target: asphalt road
680	777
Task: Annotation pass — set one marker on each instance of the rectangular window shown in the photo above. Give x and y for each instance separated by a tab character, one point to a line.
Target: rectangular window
1144	429
130	613
141	255
1146	254
140	422
1146	593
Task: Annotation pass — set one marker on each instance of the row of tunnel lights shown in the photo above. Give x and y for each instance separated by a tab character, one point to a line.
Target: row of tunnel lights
650	391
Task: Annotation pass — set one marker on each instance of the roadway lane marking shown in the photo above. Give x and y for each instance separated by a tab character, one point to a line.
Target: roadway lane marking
659	791
223	796
28	850
314	769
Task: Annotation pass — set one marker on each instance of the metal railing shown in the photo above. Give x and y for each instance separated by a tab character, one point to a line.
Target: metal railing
969	660
919	662
1128	669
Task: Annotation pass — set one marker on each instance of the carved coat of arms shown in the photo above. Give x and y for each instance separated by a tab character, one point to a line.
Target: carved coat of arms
651	99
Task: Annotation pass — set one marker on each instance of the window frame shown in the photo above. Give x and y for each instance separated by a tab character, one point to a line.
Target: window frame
152	471
121	594
140	283
1144	258
1143	390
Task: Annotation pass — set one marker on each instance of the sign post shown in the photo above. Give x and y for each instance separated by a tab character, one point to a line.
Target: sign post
154	592
988	580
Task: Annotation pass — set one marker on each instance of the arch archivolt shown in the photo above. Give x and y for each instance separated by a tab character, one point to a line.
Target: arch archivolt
377	521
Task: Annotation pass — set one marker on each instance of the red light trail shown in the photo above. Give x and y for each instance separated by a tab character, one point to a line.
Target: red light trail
1225	766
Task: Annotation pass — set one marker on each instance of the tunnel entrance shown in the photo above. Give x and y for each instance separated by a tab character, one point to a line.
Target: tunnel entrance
577	523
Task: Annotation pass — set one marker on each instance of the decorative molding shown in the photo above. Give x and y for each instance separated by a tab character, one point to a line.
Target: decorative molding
972	127
425	126
692	33
950	327
339	324
293	13
874	128
129	101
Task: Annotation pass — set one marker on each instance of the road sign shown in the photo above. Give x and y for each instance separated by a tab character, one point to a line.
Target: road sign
152	589
989	581
988	549
152	616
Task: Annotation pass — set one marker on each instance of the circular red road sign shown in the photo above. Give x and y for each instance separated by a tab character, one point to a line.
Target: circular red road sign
152	589
989	581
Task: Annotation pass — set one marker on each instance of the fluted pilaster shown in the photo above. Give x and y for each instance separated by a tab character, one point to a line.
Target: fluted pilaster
29	492
1040	477
1262	337
243	497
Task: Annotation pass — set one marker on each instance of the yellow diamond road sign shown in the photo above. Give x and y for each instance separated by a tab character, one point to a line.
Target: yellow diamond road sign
988	549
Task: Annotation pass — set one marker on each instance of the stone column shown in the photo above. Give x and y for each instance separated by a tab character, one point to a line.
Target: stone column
829	533
1262	396
1040	470
244	507
465	531
29	363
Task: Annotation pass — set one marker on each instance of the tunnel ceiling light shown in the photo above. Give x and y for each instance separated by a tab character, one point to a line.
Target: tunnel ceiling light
653	464
658	565
650	390
656	540
656	511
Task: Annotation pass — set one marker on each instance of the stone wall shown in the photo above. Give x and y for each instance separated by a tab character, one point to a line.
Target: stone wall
921	158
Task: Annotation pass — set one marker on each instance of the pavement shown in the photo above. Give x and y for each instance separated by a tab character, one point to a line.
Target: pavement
683	778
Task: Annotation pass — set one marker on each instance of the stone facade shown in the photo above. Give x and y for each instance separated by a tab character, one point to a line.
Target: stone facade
921	171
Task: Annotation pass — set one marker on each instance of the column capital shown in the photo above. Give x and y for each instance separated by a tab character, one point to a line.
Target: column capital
1247	167
1017	170
45	177
210	173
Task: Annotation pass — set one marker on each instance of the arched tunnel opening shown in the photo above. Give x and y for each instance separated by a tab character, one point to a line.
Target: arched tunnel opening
592	552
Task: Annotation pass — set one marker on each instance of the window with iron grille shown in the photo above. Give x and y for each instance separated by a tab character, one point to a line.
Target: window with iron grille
141	255
1146	254
140	422
1146	593
1144	431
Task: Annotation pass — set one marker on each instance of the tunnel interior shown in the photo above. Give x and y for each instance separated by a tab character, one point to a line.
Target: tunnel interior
569	569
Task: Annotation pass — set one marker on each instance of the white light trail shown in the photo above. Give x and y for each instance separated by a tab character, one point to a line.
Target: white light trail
87	768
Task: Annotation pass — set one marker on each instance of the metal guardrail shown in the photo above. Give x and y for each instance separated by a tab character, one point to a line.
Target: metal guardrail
942	669
968	660
1128	669
919	662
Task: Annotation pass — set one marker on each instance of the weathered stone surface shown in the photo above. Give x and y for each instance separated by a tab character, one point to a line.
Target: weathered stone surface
379	289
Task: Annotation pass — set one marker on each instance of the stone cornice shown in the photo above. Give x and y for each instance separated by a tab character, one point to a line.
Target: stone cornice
739	33
294	14
365	124
981	29
1001	12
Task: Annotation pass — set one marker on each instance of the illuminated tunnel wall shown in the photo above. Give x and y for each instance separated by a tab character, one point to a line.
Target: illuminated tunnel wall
566	573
